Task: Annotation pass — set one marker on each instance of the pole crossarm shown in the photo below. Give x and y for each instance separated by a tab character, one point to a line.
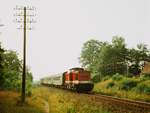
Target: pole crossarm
19	17
1	25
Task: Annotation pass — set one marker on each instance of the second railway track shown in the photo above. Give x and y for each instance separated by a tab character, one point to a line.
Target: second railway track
120	105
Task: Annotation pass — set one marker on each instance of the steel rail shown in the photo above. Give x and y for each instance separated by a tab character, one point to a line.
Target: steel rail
122	104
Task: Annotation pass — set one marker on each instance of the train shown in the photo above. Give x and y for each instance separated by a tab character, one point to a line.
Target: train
77	79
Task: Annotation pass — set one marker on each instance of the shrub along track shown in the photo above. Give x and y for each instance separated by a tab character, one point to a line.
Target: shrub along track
119	105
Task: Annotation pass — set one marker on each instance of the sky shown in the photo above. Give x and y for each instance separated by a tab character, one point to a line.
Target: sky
55	43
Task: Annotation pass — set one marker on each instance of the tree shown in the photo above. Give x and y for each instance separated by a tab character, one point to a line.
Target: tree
119	54
1	65
13	72
137	57
102	58
113	57
89	54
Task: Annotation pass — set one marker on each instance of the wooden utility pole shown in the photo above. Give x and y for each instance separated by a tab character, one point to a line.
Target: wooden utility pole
24	21
24	61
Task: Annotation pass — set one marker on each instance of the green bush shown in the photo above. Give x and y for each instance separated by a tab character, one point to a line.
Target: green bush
146	75
96	79
110	84
127	84
29	93
147	90
143	87
117	77
106	78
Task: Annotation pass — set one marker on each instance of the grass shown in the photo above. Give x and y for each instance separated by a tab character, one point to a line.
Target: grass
48	100
131	88
9	104
61	101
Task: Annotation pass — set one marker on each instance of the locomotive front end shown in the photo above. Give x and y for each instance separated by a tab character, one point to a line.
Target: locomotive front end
78	79
84	82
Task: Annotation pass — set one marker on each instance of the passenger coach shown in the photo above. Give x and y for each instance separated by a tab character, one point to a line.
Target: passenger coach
75	78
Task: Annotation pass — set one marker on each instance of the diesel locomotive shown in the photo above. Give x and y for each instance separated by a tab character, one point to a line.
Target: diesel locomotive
77	79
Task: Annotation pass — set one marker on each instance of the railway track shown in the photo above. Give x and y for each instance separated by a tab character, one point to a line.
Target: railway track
120	105
115	104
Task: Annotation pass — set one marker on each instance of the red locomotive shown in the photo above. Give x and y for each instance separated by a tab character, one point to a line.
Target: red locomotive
76	79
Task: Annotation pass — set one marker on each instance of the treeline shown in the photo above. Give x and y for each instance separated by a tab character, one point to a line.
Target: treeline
106	59
11	71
